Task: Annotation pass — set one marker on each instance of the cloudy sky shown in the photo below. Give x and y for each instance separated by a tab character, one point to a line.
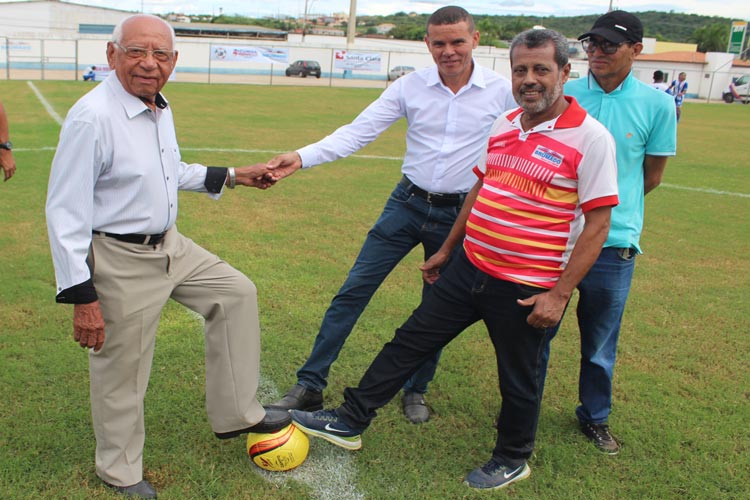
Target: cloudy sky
736	9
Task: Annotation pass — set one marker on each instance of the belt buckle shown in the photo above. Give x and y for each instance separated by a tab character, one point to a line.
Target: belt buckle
429	197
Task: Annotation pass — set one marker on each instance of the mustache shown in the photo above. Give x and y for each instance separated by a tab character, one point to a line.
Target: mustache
531	88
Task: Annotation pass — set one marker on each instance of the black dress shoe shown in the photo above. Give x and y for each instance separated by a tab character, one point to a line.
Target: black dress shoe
138	490
300	398
275	420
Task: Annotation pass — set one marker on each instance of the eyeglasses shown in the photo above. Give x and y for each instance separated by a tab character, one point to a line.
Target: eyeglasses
609	48
160	55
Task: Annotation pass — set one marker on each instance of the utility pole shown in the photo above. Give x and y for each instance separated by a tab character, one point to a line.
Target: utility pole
304	18
351	28
610	6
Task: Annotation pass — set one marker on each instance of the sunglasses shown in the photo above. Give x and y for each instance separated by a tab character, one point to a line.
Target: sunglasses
609	48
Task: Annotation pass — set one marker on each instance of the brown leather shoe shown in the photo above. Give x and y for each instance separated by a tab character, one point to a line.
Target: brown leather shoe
275	420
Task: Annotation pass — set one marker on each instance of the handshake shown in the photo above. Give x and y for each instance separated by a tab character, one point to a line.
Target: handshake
265	175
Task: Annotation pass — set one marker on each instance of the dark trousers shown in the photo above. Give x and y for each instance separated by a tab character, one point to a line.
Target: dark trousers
407	221
462	296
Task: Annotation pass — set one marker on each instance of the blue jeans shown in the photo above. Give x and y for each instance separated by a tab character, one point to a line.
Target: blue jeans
406	221
462	296
603	293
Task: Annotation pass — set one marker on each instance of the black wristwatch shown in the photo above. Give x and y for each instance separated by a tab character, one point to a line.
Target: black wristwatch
6	145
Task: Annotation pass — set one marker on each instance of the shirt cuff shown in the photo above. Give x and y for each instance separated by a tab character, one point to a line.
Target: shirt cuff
216	177
82	293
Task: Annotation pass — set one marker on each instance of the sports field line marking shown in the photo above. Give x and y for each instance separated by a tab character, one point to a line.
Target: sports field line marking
231	150
46	104
398	158
705	190
329	471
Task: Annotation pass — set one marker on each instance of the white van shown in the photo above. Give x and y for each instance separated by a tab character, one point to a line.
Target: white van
738	90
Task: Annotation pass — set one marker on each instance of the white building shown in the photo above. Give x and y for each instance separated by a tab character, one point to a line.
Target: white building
56	19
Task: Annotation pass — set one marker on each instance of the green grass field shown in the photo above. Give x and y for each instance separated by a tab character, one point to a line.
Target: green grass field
682	386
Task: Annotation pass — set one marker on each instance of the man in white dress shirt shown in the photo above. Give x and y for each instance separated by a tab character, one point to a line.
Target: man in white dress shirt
111	211
450	108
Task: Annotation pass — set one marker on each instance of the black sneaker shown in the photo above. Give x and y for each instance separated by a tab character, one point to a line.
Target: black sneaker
326	424
601	437
493	475
300	398
415	407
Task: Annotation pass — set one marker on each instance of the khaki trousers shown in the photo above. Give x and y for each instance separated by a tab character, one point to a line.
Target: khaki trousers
134	283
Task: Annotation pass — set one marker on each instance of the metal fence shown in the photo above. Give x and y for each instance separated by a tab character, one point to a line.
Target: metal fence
66	59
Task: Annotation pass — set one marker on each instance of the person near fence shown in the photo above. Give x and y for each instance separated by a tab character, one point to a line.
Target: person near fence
659	83
90	75
643	124
678	89
449	108
118	256
7	162
546	166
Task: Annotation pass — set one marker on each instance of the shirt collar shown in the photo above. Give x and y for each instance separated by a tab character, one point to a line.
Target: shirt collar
133	105
572	117
476	78
594	85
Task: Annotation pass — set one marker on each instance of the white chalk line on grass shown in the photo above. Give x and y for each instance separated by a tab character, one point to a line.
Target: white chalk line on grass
329	472
396	158
46	104
705	190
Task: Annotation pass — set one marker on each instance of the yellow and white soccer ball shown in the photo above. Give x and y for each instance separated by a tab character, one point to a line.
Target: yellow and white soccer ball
278	451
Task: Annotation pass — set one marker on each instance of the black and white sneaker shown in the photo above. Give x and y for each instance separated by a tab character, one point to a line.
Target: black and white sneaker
326	424
493	475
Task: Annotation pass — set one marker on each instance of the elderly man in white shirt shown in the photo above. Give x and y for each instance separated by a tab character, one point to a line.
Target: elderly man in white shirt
111	211
450	108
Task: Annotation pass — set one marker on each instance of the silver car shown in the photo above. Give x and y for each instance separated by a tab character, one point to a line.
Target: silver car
398	71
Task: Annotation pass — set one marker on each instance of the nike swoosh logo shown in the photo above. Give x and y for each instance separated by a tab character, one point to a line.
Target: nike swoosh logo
508	474
332	429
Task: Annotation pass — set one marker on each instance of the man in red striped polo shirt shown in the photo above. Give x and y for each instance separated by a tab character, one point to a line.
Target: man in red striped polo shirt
532	226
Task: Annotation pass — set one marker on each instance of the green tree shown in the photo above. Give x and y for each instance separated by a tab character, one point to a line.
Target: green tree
713	38
489	31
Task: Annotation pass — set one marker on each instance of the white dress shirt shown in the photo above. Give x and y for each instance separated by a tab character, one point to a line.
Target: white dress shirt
117	169
446	132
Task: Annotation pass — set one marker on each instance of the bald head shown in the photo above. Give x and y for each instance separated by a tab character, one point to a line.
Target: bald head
138	19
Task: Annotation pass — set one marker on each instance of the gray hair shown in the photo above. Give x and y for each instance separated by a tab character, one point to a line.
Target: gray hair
117	32
535	38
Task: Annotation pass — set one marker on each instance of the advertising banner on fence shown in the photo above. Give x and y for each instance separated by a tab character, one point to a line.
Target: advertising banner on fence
249	54
343	59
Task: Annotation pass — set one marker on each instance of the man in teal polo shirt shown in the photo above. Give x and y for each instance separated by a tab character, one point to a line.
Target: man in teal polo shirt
643	124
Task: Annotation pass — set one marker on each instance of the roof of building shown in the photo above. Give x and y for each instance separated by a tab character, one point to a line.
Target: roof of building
227	31
675	57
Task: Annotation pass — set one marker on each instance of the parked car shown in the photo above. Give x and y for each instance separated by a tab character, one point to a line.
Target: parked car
739	90
304	68
398	71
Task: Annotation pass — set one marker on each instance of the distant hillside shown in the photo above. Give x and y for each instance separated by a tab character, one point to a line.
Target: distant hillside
665	26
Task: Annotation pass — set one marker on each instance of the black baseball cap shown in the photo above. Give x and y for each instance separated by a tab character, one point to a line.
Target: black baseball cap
617	26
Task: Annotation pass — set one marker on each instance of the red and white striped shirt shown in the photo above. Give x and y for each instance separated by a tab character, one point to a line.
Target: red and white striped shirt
536	185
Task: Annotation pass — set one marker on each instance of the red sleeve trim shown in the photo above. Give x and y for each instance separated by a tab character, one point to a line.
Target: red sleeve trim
478	172
606	201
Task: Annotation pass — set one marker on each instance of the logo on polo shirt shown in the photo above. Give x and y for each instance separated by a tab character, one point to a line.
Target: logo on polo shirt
548	156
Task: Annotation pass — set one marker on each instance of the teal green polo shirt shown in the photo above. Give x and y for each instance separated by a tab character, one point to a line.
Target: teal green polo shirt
642	120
